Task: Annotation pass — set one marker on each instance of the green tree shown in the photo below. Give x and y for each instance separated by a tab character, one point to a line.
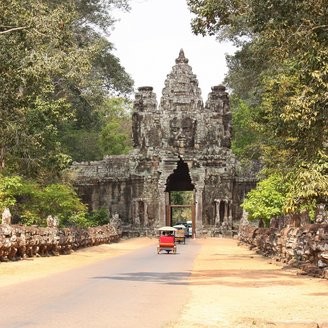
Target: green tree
55	68
98	217
31	203
33	52
81	144
310	185
245	143
116	132
181	214
267	200
114	140
283	56
9	188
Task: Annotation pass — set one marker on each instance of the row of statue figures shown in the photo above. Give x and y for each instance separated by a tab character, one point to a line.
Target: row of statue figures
52	221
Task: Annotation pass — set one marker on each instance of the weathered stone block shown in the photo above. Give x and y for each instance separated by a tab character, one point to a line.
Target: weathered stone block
180	145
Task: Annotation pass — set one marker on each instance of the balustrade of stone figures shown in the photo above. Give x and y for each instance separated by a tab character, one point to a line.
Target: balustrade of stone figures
299	244
19	241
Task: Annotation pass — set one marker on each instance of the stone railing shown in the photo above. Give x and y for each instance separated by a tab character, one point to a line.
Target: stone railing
304	247
19	241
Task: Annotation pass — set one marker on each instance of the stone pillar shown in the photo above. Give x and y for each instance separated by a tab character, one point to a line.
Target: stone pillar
230	213
199	208
145	213
225	218
217	211
162	207
135	213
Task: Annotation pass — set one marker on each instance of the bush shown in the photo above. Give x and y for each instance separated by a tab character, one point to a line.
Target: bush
31	203
98	217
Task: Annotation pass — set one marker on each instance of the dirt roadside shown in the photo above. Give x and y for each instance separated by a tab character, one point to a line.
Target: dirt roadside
230	285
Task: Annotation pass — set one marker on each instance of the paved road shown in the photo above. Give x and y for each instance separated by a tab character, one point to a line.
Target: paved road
139	289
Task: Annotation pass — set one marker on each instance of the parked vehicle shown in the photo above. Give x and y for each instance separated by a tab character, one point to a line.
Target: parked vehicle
189	228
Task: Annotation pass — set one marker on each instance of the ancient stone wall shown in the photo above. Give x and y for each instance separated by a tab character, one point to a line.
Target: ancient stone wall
20	242
305	247
180	144
106	184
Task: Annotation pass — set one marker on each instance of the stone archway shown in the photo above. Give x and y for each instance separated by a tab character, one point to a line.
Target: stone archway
180	144
179	181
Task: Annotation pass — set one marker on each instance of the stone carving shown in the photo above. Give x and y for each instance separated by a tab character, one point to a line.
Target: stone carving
304	247
182	132
321	215
116	222
19	242
137	221
52	222
244	219
6	216
180	144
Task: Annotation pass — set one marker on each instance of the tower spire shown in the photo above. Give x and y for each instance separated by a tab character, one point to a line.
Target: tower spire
182	58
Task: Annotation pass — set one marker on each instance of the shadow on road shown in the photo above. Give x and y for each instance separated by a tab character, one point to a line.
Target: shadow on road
231	278
168	278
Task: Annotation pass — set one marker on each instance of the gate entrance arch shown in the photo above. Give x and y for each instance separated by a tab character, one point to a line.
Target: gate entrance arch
180	144
180	181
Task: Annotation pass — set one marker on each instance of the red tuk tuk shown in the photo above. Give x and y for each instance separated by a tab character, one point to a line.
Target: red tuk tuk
166	240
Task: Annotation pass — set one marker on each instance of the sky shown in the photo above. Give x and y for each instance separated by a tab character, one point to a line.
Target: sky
148	40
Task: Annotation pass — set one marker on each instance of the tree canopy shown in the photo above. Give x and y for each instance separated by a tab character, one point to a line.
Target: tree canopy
59	78
279	72
56	67
31	203
267	200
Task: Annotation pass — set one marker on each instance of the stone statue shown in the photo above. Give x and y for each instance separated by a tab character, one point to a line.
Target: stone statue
6	216
52	221
137	221
244	219
321	214
116	222
56	221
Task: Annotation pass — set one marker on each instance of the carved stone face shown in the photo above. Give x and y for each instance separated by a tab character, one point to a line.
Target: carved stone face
182	132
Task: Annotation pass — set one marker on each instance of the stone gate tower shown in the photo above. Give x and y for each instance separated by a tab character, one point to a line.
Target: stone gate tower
181	144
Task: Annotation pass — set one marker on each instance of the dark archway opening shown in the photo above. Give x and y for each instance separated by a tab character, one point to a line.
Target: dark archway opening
180	208
180	179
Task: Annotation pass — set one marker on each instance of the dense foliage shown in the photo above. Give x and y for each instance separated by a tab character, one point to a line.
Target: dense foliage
31	203
109	132
57	68
267	200
58	75
279	78
181	214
